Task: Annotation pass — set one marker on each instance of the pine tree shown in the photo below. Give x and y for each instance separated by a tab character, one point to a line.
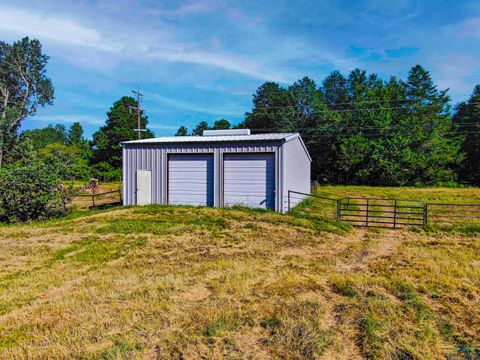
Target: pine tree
198	130
75	134
272	107
119	126
432	151
221	124
182	131
467	120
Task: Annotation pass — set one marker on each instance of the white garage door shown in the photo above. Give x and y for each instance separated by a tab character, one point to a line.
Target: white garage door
190	179
249	180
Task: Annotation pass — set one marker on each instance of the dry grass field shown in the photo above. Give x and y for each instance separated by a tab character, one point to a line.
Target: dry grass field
433	194
165	282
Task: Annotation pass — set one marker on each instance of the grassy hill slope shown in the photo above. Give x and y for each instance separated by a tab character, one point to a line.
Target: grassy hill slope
178	282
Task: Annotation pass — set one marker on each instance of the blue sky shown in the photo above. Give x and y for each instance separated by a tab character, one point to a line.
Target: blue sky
203	60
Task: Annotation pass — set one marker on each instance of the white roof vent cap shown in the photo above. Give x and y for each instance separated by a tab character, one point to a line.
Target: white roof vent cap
226	132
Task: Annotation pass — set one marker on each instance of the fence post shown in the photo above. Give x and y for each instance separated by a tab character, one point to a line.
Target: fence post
366	218
288	200
93	200
395	214
425	215
339	209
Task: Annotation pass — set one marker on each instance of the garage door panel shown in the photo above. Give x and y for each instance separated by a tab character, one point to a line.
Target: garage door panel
185	185
249	180
253	178
252	190
189	164
190	179
187	200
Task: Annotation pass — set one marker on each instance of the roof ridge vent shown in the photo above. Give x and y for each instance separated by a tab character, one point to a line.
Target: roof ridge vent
226	132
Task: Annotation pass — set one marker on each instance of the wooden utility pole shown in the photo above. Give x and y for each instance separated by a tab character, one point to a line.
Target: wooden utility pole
138	110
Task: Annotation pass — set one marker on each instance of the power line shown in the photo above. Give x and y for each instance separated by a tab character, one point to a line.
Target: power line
371	127
384	134
292	107
295	107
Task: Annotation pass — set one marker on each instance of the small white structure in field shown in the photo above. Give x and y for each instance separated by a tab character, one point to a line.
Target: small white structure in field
220	168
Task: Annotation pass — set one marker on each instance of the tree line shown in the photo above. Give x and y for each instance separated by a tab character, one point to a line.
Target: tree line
71	155
25	86
360	129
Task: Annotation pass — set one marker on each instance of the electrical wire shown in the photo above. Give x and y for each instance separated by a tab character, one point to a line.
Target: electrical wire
295	108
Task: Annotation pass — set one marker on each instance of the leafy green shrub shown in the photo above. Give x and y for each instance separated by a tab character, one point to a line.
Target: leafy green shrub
69	161
31	193
450	184
106	172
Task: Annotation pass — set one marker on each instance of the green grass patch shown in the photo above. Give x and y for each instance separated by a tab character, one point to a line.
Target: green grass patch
94	249
219	326
11	337
344	285
468	229
120	350
163	225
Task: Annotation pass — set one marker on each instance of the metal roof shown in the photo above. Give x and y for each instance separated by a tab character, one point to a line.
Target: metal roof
219	138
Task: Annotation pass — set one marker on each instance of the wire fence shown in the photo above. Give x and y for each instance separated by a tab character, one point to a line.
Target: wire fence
452	214
311	203
385	213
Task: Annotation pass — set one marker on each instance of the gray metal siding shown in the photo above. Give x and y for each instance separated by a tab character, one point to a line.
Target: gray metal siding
154	157
249	180
139	159
190	179
296	172
292	166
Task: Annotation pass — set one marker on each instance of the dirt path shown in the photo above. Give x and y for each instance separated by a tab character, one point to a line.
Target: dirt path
367	245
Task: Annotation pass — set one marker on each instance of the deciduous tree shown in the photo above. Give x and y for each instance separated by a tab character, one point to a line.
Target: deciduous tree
23	86
52	134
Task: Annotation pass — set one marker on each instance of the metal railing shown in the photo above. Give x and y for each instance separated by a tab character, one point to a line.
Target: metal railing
291	196
391	213
380	212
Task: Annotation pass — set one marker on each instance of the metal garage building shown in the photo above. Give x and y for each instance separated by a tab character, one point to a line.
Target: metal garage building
220	168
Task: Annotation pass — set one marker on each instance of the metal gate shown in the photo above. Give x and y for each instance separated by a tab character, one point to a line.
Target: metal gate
382	213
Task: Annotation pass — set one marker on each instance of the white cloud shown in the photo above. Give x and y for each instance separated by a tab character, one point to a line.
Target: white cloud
223	61
126	44
163	127
458	78
53	27
470	28
191	108
68	119
449	65
193	7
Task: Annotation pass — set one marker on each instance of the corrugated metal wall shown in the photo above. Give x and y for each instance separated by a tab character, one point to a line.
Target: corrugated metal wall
154	157
296	174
